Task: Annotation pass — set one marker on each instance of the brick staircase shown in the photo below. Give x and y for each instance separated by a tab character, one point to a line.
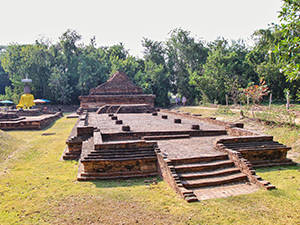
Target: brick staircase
264	153
207	171
73	148
118	160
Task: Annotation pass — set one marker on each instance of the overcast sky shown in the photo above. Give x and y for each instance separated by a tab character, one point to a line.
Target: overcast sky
128	21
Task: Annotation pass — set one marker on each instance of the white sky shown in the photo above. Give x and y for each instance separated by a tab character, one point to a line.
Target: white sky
128	21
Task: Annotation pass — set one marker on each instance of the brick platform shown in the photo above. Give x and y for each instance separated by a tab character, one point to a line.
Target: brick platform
210	162
30	122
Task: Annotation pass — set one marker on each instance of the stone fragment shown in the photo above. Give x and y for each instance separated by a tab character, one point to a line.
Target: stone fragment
195	127
119	121
126	128
164	117
177	120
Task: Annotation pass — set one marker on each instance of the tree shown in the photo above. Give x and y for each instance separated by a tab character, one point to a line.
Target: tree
267	63
60	88
256	92
224	73
185	55
154	51
4	80
157	79
289	47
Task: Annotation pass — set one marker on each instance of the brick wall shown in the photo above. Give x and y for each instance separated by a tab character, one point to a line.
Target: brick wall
96	101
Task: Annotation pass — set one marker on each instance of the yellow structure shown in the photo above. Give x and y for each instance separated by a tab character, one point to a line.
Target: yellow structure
26	101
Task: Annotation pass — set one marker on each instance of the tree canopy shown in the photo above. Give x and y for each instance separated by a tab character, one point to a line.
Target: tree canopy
182	65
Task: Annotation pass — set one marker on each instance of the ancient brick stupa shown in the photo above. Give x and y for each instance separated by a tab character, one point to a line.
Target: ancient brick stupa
117	91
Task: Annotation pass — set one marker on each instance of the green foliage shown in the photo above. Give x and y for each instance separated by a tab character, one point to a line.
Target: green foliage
289	47
10	95
225	71
60	87
202	72
185	56
159	82
267	63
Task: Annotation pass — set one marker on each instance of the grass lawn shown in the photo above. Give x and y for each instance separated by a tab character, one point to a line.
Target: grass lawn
36	187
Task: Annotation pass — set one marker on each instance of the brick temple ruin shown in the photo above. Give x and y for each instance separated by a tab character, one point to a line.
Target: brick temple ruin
28	119
118	90
200	158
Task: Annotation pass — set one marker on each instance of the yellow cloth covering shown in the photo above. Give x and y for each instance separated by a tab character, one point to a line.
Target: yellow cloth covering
26	101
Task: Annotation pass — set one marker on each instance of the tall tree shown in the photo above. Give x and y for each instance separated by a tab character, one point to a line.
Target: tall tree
184	54
4	80
155	79
289	47
267	63
154	51
224	72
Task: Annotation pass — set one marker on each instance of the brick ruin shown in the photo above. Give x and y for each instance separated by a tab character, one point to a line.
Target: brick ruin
200	158
27	119
118	90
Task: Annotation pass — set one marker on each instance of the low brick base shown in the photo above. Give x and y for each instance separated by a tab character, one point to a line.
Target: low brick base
30	124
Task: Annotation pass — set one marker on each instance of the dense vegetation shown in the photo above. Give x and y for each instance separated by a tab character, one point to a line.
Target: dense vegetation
201	71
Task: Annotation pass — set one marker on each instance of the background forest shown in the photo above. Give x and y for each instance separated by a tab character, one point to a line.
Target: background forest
203	72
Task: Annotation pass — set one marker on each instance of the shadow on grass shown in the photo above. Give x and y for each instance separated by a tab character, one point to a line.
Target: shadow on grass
130	182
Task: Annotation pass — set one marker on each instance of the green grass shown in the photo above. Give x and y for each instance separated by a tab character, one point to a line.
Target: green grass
197	110
36	187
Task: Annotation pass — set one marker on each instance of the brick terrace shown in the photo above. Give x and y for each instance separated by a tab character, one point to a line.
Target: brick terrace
211	162
146	122
37	122
174	148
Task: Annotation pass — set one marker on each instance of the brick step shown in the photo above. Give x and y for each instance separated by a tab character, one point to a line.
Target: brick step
87	159
262	145
215	181
269	142
271	161
70	155
110	176
241	149
191	198
119	156
113	151
264	182
121	153
192	167
274	164
214	173
166	137
118	173
124	145
113	148
207	158
270	186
